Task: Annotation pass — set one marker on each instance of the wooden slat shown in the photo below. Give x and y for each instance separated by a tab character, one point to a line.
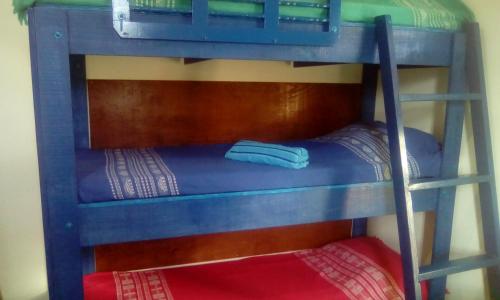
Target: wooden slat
456	266
132	220
446	183
154	113
194	249
439	97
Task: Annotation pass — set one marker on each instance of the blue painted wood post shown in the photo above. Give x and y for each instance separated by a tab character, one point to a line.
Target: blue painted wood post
452	142
399	159
368	101
80	105
56	156
484	154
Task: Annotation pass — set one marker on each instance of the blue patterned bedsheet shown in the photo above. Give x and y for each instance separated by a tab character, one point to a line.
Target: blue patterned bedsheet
355	154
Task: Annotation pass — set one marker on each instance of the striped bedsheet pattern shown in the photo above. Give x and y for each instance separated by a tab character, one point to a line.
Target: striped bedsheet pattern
361	268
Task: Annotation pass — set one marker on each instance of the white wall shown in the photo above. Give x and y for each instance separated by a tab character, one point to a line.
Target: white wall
22	266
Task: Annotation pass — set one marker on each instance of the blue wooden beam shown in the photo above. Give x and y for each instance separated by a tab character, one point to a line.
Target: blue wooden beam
445	183
443	269
440	97
452	142
399	158
356	44
49	40
132	220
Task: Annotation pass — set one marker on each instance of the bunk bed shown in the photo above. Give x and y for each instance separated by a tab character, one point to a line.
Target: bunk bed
84	206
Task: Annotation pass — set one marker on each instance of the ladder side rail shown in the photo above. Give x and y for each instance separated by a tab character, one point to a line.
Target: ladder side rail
452	142
484	154
399	160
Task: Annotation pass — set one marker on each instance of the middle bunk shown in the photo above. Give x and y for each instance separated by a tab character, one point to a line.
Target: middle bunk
195	189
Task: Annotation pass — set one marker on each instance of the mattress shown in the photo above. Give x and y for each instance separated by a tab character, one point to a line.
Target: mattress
439	14
355	154
361	268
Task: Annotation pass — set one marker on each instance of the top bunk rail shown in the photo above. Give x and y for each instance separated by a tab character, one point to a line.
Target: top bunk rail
265	25
92	31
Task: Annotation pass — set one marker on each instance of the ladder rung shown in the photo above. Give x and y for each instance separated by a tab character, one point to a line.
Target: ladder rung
439	97
457	266
442	183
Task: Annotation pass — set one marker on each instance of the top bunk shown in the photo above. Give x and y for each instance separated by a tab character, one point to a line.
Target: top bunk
330	31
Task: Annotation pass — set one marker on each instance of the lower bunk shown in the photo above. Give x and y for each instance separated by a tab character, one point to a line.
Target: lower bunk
360	268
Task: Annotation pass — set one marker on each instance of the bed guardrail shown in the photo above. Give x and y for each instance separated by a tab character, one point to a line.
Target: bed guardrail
267	22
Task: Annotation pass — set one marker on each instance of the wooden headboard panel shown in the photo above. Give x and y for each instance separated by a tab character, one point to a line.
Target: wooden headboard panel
155	113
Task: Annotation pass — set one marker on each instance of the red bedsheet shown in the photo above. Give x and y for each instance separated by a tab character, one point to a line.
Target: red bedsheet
361	268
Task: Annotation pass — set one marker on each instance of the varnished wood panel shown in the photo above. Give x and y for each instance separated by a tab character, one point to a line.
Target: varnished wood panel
218	246
162	113
154	113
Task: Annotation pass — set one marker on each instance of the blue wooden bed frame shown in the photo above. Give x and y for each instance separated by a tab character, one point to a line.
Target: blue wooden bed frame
60	37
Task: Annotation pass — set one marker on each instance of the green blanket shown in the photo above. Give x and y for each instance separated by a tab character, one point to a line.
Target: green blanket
439	14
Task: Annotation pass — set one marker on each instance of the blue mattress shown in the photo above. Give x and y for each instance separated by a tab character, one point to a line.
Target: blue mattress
355	154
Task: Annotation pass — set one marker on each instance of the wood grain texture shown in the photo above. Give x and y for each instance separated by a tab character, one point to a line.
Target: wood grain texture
218	246
156	113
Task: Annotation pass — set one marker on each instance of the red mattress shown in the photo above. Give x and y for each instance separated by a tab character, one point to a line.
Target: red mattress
361	268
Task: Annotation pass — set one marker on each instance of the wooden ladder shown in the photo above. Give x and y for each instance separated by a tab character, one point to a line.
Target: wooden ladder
466	75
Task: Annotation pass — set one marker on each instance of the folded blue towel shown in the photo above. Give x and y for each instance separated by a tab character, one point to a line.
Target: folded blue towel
271	154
